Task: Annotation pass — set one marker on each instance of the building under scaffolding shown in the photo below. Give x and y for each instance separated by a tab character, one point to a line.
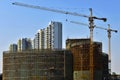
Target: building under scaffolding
81	59
38	65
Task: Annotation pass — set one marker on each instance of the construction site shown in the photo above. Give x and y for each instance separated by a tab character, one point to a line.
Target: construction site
83	59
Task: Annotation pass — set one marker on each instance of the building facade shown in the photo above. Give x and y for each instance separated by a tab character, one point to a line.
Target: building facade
80	49
24	44
105	66
38	65
39	40
54	35
0	76
50	37
13	47
36	41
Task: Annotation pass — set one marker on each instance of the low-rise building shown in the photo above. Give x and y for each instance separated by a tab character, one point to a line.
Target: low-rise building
38	65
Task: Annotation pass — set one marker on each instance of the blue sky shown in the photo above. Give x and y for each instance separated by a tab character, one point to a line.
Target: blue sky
17	22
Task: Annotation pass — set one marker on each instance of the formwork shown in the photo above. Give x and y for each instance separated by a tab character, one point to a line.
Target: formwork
80	49
37	65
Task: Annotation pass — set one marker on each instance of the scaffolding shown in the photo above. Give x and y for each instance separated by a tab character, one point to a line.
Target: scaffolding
80	49
37	65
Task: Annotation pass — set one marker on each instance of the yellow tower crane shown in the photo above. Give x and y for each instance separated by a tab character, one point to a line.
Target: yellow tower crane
109	30
91	27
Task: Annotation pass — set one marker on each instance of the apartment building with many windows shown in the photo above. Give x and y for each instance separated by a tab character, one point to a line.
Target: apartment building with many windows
49	37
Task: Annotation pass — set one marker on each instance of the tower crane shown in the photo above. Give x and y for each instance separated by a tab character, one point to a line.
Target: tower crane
91	27
109	47
109	30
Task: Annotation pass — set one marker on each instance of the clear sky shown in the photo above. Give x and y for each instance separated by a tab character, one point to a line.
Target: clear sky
20	22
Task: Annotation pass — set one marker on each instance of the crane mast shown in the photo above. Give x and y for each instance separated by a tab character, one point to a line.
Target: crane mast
109	48
109	51
91	27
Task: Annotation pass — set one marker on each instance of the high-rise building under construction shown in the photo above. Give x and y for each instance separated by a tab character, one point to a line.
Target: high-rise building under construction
80	49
